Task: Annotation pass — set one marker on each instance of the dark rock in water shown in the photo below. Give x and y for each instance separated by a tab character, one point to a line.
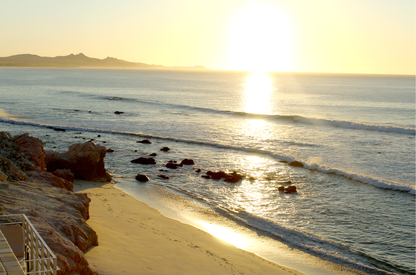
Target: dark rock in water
135	151
173	164
118	112
187	162
153	155
290	189
163	177
59	129
234	177
283	161
288	182
281	188
109	150
217	175
198	170
142	178
165	149
205	176
296	164
145	141
99	136
163	170
252	178
143	160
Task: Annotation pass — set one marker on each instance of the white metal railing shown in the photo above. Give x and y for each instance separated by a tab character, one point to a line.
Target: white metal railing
38	257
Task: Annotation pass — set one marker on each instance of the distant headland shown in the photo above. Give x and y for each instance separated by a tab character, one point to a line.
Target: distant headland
79	61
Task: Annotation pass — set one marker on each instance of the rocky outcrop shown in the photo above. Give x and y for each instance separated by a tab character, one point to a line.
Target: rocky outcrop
58	214
85	160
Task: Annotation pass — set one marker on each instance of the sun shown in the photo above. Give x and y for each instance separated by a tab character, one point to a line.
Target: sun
260	38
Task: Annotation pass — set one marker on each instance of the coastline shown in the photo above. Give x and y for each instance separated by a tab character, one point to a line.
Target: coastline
137	239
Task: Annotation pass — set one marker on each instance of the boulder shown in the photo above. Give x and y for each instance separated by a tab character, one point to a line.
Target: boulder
85	160
142	178
153	155
281	188
109	150
118	112
165	149
143	160
187	162
163	177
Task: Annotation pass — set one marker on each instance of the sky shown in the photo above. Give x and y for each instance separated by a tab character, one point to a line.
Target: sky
329	36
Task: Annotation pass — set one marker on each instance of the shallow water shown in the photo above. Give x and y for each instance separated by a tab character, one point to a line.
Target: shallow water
354	134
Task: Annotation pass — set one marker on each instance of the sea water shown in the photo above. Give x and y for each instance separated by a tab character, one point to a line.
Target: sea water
353	134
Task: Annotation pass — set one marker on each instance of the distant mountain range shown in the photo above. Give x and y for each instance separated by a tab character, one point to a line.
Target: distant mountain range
77	61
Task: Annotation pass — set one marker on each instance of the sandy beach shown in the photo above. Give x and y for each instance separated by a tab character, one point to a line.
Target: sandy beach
136	239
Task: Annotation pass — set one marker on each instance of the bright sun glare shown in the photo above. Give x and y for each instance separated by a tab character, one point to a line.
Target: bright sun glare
260	40
258	92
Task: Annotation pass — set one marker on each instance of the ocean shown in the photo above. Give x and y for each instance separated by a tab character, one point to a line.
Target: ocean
353	134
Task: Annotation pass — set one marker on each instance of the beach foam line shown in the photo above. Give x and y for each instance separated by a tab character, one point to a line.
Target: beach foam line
384	184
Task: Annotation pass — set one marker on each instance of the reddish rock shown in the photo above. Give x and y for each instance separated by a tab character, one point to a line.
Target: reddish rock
33	148
85	160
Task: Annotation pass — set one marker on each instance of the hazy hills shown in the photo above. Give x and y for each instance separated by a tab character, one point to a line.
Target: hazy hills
76	61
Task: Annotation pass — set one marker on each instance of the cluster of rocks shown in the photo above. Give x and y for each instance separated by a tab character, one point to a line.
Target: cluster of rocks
39	183
233	177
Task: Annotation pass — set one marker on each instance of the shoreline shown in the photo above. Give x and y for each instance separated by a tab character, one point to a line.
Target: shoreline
137	239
